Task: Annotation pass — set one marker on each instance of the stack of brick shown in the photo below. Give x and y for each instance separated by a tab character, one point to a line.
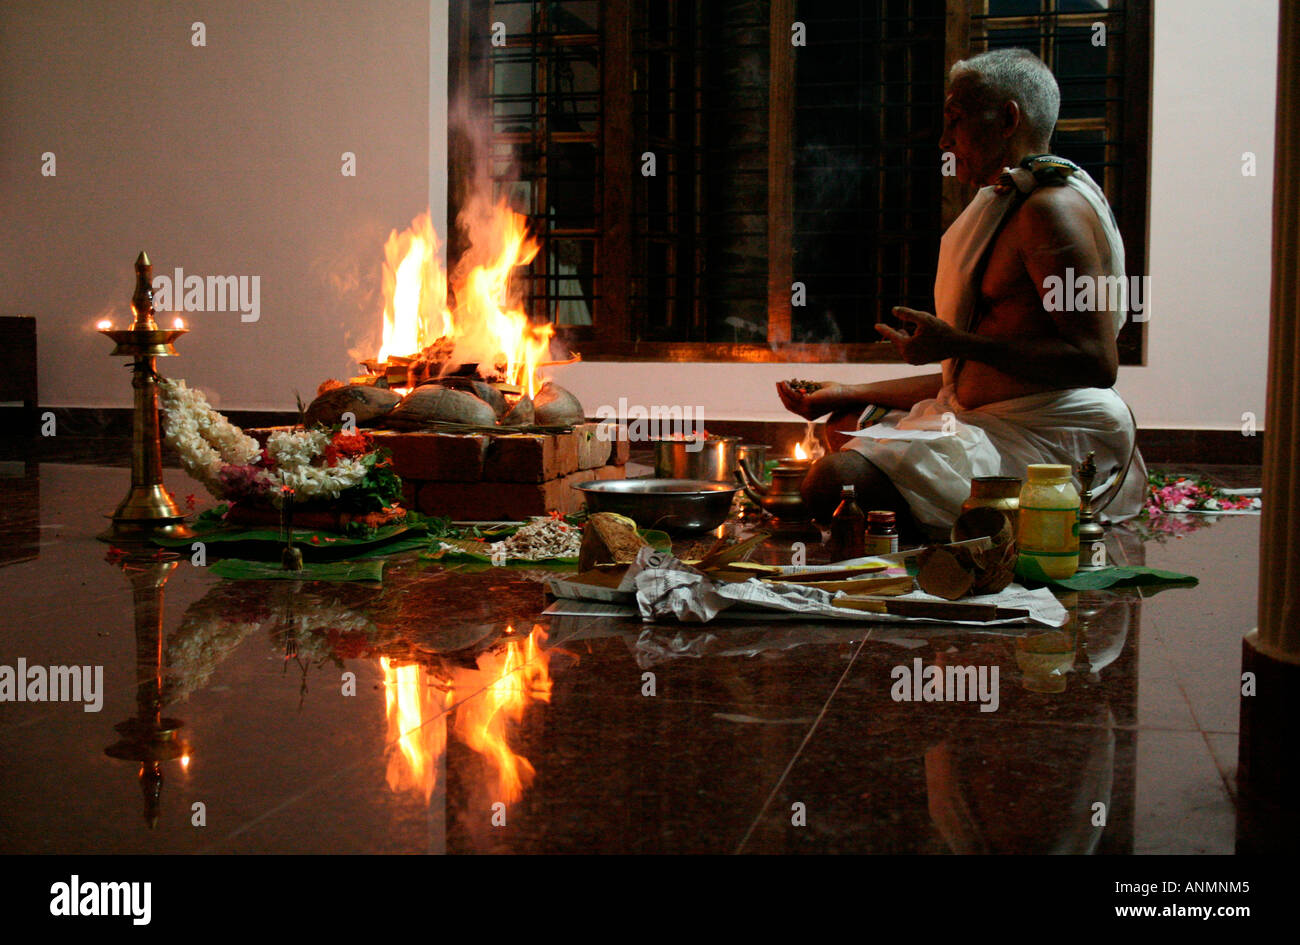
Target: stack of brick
501	476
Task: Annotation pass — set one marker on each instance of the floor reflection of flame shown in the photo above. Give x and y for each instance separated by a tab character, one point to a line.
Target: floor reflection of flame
497	692
518	675
417	723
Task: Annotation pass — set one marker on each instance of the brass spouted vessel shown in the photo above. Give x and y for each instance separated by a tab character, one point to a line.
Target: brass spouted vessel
782	498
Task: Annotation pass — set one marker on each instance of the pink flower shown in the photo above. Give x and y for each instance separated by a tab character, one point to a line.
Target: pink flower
244	482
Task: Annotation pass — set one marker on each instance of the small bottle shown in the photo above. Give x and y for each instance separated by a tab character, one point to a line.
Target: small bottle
1048	527
882	533
847	527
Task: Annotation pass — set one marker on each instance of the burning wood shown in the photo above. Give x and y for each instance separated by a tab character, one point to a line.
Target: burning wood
455	392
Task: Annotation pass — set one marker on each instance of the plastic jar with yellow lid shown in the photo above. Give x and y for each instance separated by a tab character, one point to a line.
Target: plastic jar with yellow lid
1048	529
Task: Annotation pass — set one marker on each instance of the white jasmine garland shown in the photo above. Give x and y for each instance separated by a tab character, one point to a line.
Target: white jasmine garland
327	481
295	448
203	438
206	441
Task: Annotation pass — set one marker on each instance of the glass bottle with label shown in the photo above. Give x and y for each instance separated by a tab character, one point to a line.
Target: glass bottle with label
847	527
882	533
1048	528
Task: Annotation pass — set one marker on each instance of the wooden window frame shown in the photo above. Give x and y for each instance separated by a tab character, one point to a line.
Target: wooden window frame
609	338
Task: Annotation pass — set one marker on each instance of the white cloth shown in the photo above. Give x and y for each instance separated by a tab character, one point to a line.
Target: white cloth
1003	438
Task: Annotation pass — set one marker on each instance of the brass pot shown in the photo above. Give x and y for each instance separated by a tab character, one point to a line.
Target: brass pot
996	492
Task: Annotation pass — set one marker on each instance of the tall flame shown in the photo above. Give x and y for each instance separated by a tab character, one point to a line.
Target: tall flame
488	326
415	291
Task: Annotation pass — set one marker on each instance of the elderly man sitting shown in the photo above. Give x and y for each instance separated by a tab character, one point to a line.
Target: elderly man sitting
1022	380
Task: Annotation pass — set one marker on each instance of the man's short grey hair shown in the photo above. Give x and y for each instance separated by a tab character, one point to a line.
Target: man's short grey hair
1017	75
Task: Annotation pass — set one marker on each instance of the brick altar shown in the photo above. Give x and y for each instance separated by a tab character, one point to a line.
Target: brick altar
500	476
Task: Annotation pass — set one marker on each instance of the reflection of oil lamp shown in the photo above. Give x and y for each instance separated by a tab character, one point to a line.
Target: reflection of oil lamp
148	737
782	498
147	511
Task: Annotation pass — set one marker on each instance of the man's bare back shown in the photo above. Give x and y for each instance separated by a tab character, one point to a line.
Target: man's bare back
1012	300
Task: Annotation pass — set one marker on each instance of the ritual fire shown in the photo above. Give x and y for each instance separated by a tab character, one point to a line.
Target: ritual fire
456	392
488	329
468	334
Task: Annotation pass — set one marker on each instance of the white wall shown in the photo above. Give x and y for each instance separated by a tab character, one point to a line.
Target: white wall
225	159
1214	92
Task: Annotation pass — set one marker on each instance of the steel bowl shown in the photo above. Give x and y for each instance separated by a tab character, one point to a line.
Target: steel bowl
678	506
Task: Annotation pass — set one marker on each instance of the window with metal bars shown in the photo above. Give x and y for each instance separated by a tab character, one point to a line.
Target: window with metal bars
705	188
533	69
868	192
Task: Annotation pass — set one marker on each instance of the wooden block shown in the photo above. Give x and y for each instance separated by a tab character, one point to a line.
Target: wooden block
599	474
445	456
593	451
410	493
530	457
622	448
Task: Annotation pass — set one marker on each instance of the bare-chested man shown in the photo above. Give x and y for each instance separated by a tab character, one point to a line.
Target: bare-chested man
1020	383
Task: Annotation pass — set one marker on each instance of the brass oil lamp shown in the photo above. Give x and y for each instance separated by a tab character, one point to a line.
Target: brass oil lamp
147	511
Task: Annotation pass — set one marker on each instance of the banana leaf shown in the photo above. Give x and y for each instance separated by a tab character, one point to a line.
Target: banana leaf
237	569
265	543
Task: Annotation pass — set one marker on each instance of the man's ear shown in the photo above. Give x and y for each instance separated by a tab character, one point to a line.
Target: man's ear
1011	118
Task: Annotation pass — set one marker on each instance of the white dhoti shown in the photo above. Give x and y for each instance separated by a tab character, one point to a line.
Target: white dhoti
1003	438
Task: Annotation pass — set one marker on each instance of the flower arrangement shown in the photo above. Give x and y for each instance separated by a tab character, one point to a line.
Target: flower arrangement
204	439
342	467
1179	505
1172	493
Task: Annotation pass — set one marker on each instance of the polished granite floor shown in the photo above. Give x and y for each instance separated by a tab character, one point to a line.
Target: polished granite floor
476	725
